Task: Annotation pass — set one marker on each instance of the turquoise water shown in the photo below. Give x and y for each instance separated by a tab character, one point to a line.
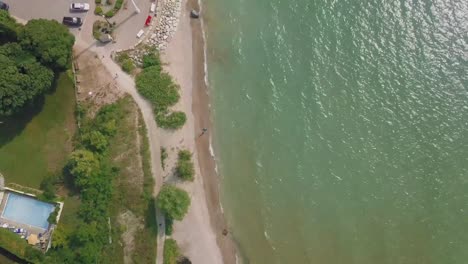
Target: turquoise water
26	210
342	128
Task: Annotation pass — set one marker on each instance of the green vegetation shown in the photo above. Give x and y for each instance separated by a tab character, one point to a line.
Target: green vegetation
152	59
169	225
91	173
171	251
50	41
8	27
19	247
23	80
118	5
98	11
174	120
125	62
48	189
159	88
107	188
35	143
110	13
29	56
98	2
52	219
184	168
173	201
164	156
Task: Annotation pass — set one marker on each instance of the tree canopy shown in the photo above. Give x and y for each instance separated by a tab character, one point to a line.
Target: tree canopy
8	27
49	41
82	165
22	78
173	201
29	56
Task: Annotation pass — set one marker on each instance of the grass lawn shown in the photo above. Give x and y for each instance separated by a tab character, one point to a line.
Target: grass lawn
36	143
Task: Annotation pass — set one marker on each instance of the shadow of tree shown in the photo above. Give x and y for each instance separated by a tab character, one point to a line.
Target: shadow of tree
13	125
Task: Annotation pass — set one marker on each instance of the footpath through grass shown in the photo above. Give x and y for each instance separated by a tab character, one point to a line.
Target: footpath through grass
36	143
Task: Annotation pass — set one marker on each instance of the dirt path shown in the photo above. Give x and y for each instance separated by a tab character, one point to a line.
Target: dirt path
126	83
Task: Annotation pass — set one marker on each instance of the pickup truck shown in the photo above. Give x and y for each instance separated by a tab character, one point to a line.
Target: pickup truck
72	21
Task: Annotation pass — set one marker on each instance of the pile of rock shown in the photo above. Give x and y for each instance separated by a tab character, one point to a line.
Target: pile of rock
167	24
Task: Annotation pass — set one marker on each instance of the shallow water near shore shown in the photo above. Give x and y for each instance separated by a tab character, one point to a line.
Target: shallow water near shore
341	128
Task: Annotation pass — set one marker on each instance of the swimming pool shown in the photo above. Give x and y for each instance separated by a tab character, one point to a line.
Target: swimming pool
26	210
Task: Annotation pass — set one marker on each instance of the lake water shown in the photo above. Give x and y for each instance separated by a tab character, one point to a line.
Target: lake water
342	128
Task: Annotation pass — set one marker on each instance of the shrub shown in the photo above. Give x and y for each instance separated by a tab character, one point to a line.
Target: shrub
118	5
185	169
151	59
128	66
52	219
95	141
110	13
163	156
98	10
98	2
158	88
173	201
174	120
48	188
169	225
171	251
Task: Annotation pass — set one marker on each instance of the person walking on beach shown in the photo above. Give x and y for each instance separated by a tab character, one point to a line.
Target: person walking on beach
203	131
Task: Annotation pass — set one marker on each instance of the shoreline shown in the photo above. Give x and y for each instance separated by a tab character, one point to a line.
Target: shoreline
200	233
202	112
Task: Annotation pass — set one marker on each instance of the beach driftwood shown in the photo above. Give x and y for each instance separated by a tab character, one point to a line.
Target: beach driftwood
194	14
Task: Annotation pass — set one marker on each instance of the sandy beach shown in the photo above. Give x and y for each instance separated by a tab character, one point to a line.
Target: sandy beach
200	234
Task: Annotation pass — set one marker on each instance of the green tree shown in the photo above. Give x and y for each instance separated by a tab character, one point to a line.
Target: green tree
95	141
22	78
49	41
83	165
8	27
48	188
173	201
60	237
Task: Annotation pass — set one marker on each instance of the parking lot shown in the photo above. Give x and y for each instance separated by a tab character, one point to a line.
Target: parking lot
128	22
49	9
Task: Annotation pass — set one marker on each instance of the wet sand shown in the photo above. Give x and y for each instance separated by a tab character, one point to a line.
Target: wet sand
200	234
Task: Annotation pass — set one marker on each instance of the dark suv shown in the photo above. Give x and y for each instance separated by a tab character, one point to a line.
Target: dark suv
72	21
4	6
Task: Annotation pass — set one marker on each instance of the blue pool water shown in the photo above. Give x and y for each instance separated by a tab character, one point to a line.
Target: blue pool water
27	210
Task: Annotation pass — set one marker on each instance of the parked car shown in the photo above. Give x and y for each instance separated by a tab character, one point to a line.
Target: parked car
79	7
4	6
72	21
